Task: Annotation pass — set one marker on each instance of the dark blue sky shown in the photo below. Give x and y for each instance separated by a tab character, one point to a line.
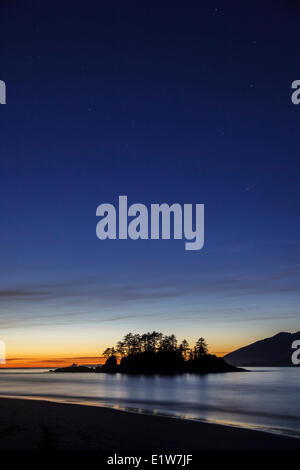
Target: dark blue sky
164	103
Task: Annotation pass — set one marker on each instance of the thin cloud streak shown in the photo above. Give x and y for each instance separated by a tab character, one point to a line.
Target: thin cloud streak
104	301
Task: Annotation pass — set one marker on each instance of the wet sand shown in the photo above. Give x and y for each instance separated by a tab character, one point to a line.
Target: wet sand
41	425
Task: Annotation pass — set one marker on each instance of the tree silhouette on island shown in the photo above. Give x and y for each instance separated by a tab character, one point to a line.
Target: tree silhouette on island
156	353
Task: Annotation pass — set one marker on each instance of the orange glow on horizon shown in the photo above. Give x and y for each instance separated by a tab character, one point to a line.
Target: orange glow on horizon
17	363
46	362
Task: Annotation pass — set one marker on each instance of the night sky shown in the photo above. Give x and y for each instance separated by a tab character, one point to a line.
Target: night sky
162	102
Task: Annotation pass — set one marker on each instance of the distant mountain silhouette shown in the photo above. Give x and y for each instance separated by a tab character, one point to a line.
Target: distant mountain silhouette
275	351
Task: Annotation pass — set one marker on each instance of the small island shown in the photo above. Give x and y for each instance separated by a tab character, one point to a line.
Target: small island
156	353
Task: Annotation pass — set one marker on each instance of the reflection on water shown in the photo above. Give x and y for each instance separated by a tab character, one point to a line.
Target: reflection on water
265	398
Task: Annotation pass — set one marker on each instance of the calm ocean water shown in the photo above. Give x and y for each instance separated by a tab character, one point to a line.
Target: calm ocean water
265	398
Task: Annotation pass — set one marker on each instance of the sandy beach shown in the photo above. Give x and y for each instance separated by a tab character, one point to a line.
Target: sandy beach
41	425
